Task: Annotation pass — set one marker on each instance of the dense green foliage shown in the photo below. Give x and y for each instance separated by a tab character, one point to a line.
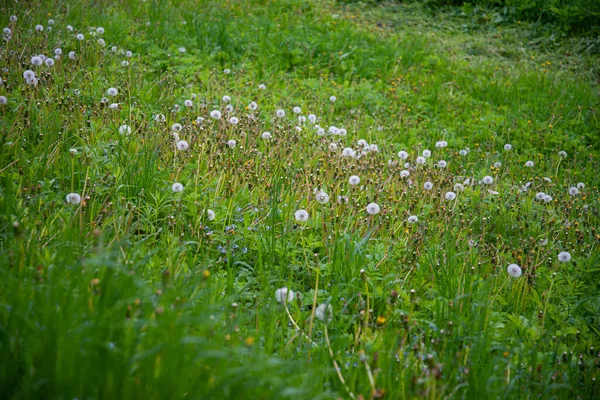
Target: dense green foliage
570	16
116	284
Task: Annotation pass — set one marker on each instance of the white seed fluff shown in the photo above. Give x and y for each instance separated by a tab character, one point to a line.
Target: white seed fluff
284	295
73	198
373	208
564	257
514	270
450	196
182	145
301	215
354	180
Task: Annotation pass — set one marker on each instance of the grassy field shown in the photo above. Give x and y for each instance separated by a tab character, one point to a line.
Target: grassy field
295	199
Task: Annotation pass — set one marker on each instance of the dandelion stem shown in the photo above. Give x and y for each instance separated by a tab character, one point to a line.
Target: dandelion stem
369	372
296	325
335	364
366	321
314	309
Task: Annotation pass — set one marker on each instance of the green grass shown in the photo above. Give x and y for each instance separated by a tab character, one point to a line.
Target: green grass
137	293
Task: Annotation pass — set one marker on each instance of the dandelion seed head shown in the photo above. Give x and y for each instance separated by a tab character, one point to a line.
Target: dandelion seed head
182	145
284	295
564	257
514	270
428	185
488	180
215	114
210	215
348	152
177	187
73	198
324	313
373	208
354	180
301	215
540	196
322	197
450	196
124	129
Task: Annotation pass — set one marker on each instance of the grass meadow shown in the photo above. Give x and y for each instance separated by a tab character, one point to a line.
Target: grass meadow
277	199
